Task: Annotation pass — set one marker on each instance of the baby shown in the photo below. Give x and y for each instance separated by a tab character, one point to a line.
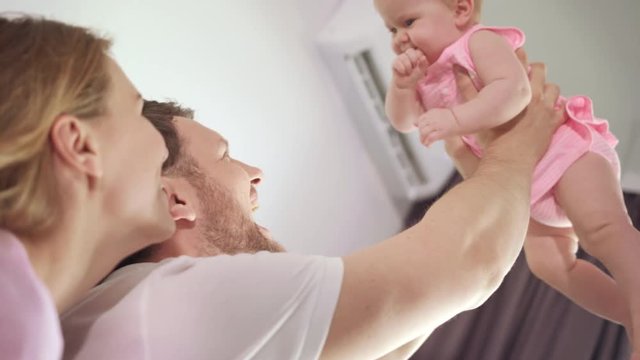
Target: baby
574	185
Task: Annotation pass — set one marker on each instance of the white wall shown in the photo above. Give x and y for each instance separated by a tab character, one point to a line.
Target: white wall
251	71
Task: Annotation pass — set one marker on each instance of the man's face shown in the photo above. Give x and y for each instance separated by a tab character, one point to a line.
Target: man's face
224	194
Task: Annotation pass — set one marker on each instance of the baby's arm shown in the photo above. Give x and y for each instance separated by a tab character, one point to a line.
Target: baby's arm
403	107
506	90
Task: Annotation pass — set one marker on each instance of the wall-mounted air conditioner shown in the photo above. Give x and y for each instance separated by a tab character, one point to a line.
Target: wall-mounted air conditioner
356	47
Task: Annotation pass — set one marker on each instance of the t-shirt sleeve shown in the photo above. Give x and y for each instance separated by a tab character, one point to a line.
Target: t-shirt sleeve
263	306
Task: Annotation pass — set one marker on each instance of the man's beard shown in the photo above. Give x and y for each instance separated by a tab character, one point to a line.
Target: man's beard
224	227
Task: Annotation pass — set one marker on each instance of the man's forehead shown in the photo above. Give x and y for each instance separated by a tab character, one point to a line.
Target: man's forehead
192	130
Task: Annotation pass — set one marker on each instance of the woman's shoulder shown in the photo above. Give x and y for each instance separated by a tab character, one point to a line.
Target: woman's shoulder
29	328
12	252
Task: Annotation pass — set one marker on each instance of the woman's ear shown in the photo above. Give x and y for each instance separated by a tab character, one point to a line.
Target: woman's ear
464	12
75	145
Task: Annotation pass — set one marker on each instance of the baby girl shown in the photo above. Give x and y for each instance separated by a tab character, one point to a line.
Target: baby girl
575	184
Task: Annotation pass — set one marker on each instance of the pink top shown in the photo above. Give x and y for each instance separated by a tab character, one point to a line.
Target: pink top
438	89
29	325
582	132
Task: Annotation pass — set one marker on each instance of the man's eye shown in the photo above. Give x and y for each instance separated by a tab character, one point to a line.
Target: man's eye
409	22
393	30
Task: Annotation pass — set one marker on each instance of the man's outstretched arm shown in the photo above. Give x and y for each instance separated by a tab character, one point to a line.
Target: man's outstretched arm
456	256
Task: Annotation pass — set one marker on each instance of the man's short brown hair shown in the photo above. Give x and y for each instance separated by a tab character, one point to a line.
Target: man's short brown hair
161	115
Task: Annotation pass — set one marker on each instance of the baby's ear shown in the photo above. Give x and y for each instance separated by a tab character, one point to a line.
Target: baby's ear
464	12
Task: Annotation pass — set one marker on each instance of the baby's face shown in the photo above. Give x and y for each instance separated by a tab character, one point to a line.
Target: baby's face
426	25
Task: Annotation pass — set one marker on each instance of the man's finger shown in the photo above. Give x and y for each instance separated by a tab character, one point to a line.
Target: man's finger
465	85
559	118
551	93
522	56
538	76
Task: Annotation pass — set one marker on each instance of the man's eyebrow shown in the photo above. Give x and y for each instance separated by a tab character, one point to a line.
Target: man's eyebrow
224	146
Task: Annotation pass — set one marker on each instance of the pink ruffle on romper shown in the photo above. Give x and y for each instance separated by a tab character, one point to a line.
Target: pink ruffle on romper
581	133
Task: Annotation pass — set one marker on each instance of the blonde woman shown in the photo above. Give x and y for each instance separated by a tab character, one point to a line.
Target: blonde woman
80	177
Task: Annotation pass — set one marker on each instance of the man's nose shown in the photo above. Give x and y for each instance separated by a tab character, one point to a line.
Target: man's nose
255	174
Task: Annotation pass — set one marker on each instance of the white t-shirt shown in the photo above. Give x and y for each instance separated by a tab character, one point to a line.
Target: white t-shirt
261	306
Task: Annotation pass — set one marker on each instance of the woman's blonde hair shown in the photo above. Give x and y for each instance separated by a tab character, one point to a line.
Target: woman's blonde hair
47	69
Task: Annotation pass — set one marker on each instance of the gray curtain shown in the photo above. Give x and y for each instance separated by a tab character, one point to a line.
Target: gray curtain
527	320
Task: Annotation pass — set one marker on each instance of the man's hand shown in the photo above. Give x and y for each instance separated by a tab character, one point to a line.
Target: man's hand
408	68
466	161
533	127
531	131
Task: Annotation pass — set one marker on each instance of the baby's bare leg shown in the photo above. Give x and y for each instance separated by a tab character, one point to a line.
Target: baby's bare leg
551	255
590	194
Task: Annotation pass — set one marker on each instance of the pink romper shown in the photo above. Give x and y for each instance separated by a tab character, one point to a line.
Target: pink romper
29	325
581	133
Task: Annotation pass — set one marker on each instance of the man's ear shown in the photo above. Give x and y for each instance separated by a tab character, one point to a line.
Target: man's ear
464	12
180	207
181	210
75	145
